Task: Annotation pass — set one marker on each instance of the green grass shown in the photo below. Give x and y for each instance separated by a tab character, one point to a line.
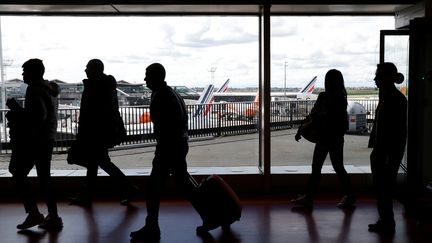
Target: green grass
371	91
355	91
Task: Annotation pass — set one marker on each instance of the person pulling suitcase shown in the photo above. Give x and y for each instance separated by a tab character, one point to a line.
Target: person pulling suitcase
170	119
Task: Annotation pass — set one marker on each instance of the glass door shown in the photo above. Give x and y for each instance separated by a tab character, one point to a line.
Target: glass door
394	47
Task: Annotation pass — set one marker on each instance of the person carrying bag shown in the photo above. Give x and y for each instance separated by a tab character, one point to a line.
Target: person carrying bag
100	128
309	129
326	127
77	153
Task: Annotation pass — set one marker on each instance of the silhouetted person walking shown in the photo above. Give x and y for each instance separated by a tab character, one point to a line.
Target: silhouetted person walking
169	116
32	131
388	139
330	115
97	123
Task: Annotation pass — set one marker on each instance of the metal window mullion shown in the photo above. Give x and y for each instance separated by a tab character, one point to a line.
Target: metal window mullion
264	86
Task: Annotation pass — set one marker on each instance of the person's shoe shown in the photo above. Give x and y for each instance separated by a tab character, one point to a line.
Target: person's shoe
52	223
31	220
346	202
303	201
382	227
81	201
146	234
132	193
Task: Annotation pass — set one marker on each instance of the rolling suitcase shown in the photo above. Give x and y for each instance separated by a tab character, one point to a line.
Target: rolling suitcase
216	203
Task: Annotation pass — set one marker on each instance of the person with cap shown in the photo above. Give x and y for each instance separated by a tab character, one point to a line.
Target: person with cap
169	116
33	130
388	140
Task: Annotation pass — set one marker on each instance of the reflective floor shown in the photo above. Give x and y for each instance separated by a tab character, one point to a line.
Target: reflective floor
264	220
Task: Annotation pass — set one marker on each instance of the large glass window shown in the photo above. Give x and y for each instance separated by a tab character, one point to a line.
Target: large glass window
196	52
210	53
307	47
395	48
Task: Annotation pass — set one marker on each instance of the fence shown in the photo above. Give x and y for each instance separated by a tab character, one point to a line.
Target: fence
221	119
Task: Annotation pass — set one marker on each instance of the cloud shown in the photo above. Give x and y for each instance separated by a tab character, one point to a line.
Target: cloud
321	43
215	32
189	46
280	28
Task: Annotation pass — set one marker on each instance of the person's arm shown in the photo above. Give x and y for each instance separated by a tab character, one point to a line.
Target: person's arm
13	105
318	107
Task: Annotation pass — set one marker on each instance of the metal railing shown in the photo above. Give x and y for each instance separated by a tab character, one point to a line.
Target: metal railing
370	105
221	119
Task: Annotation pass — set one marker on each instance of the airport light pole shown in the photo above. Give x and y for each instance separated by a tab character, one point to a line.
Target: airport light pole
2	73
212	70
2	88
3	65
285	66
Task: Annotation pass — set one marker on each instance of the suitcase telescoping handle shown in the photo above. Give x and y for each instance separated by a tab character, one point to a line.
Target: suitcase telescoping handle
193	181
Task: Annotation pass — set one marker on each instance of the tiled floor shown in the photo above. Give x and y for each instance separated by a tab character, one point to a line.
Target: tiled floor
264	220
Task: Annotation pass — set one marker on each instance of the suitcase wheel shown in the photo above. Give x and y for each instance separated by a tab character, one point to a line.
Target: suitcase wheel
200	230
226	227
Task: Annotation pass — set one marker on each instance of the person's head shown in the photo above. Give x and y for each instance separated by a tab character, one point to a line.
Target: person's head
387	75
155	75
94	68
334	83
33	69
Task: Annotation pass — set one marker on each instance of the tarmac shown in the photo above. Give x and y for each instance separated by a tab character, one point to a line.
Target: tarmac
230	151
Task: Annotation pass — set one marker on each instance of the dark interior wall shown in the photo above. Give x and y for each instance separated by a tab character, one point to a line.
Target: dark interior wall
420	102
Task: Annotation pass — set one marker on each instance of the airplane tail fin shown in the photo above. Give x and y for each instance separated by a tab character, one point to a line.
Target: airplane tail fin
224	87
403	87
205	101
252	111
309	88
256	100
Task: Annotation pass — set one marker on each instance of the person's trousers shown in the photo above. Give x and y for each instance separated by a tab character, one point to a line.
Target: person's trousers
168	160
384	169
334	148
40	156
99	157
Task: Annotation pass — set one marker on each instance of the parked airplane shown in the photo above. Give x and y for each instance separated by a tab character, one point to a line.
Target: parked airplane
250	110
204	102
239	110
403	87
224	87
206	99
303	94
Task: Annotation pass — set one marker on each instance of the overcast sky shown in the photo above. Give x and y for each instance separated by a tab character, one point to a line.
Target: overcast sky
190	46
